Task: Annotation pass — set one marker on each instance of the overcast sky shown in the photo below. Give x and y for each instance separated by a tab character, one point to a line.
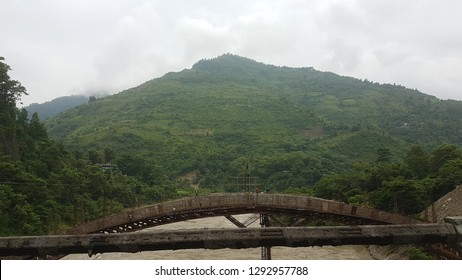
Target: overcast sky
64	47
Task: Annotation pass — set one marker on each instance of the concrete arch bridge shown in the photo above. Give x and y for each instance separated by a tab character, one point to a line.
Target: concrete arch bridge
367	226
228	204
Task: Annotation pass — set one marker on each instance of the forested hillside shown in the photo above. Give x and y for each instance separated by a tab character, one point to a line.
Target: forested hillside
290	127
294	130
231	110
56	106
44	188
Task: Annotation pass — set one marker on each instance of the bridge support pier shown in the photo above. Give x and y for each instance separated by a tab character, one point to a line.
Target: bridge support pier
457	223
265	250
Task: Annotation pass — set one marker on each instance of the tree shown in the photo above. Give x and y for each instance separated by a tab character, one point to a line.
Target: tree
94	157
418	162
37	129
383	155
109	155
442	154
399	195
17	216
449	175
10	92
91	99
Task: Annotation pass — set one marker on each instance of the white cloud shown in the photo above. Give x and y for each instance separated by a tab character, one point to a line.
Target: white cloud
65	47
262	34
199	38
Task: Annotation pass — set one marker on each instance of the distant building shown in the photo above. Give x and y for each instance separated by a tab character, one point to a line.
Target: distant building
107	166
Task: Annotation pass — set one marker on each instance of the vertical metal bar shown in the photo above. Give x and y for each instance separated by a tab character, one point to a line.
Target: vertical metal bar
265	250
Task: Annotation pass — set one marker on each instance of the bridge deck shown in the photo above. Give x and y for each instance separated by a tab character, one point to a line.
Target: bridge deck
228	238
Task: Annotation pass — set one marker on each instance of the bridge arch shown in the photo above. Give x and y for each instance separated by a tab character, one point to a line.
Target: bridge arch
223	204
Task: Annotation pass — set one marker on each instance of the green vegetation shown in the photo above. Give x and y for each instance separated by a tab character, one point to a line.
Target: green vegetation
298	130
405	186
56	106
44	188
419	253
293	126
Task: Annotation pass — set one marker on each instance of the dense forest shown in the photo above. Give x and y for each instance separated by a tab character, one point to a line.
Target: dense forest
44	188
295	130
231	116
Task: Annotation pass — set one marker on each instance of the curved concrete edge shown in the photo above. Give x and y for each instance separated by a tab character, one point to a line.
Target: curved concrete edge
244	202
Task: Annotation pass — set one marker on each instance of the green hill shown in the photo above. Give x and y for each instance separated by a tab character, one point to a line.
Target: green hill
52	108
60	104
231	116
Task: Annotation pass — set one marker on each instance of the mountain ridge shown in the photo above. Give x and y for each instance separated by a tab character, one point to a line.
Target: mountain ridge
231	109
60	104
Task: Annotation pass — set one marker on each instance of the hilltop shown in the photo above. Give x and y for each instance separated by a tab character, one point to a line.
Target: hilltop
60	104
52	108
